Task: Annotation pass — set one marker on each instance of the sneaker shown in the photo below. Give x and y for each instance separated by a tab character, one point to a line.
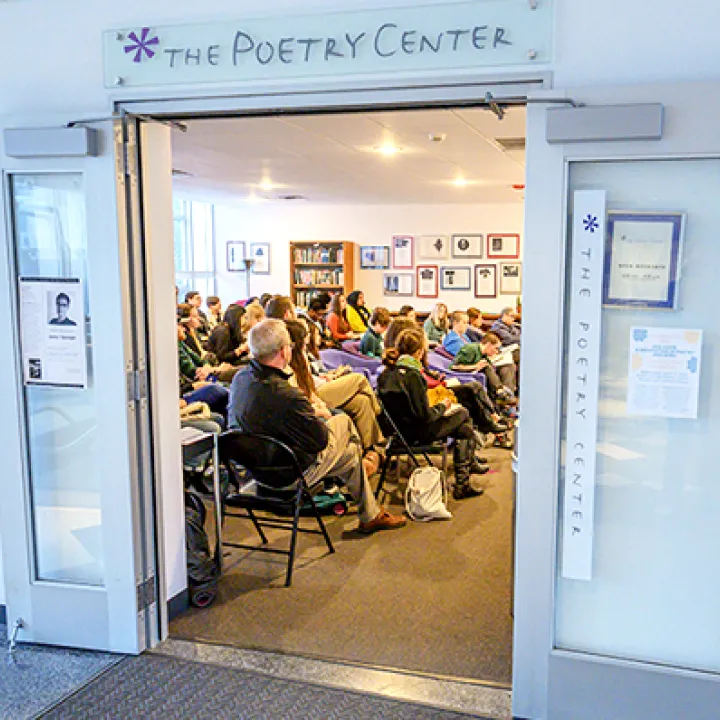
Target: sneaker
461	492
383	521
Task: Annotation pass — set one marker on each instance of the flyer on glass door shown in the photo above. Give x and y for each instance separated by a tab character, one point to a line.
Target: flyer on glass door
664	372
52	321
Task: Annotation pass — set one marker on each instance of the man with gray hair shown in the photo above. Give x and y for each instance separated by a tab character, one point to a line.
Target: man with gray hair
506	328
263	401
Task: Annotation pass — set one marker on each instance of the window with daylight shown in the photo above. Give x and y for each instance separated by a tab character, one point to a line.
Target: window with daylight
194	226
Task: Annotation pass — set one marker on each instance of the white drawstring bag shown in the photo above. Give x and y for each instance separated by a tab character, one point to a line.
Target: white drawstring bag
426	495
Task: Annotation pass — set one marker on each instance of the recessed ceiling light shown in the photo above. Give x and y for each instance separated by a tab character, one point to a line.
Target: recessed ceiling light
388	149
460	182
267	184
437	137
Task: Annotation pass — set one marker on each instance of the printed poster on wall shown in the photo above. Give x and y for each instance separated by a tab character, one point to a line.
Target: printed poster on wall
664	372
52	318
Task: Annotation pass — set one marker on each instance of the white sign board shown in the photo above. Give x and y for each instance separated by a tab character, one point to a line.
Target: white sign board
583	382
52	321
664	372
447	36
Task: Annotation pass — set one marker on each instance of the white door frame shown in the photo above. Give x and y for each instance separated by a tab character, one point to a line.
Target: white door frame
107	618
548	682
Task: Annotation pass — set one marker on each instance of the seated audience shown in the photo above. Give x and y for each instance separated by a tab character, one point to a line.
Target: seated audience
214	315
436	326
357	313
350	392
253	315
226	342
194	298
408	311
189	316
506	328
372	341
194	376
263	401
264	299
473	357
396	327
475	330
280	307
315	315
337	322
404	393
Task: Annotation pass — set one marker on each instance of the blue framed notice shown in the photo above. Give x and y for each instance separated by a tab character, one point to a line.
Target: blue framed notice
642	260
374	257
455	278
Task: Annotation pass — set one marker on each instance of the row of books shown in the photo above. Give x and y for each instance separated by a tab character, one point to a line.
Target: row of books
303	297
319	277
319	255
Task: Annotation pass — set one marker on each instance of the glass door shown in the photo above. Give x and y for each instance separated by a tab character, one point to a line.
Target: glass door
72	557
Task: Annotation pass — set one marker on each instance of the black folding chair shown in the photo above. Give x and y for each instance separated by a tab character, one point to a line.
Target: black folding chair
397	446
270	481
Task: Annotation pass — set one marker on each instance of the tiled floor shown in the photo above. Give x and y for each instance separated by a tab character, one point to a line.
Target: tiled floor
34	678
475	699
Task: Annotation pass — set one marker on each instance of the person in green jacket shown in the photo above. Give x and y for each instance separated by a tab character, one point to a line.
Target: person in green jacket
372	341
436	327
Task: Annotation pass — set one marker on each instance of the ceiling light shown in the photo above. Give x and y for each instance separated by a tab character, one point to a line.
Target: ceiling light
460	182
267	184
388	149
437	137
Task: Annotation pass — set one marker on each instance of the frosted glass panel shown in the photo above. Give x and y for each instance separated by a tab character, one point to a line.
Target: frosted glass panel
655	590
50	242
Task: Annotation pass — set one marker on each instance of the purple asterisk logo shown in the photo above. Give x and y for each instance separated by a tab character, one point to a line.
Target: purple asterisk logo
141	45
591	223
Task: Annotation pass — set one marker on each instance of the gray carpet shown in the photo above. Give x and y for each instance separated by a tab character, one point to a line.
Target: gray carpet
37	677
157	687
433	597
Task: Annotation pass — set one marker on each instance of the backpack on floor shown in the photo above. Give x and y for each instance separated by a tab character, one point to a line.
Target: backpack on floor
426	495
201	568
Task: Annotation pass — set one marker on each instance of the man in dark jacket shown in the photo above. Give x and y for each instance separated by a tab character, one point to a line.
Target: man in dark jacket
263	401
506	328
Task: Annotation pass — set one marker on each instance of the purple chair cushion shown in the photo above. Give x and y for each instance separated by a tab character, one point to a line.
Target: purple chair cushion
442	364
352	346
440	350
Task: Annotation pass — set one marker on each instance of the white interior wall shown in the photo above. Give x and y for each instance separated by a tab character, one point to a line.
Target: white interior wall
280	224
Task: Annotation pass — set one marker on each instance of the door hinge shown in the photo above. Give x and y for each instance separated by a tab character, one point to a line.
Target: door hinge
136	385
146	594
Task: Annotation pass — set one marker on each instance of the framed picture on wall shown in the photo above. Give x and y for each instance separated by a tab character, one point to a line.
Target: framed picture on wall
510	278
260	255
398	284
236	256
427	281
502	246
433	247
402	252
486	281
455	278
468	246
374	257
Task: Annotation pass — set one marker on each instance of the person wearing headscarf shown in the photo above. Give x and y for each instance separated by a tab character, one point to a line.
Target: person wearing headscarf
358	314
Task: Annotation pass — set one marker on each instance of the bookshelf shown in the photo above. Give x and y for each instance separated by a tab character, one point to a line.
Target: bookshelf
317	266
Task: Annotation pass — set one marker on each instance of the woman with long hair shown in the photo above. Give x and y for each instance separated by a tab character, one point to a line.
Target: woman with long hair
336	320
404	393
357	312
190	319
436	327
351	392
226	342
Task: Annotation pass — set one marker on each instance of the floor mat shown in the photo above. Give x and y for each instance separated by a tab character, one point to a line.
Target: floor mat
36	677
432	597
157	687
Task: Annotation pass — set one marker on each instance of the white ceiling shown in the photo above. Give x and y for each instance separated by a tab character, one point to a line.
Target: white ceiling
332	158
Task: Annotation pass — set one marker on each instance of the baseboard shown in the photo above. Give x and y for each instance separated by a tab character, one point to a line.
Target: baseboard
3	615
178	604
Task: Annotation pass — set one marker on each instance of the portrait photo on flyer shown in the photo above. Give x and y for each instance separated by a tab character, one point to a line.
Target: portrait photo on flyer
642	259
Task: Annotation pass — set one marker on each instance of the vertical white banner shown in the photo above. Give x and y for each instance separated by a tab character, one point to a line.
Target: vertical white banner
583	379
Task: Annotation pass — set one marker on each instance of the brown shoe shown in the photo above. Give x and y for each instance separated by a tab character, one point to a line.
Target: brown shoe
383	521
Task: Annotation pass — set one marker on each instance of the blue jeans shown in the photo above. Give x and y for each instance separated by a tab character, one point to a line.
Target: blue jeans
215	396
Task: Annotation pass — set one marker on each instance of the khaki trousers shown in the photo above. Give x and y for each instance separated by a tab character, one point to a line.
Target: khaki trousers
342	458
352	394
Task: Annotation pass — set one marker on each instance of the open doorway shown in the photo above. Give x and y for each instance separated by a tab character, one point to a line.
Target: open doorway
432	598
